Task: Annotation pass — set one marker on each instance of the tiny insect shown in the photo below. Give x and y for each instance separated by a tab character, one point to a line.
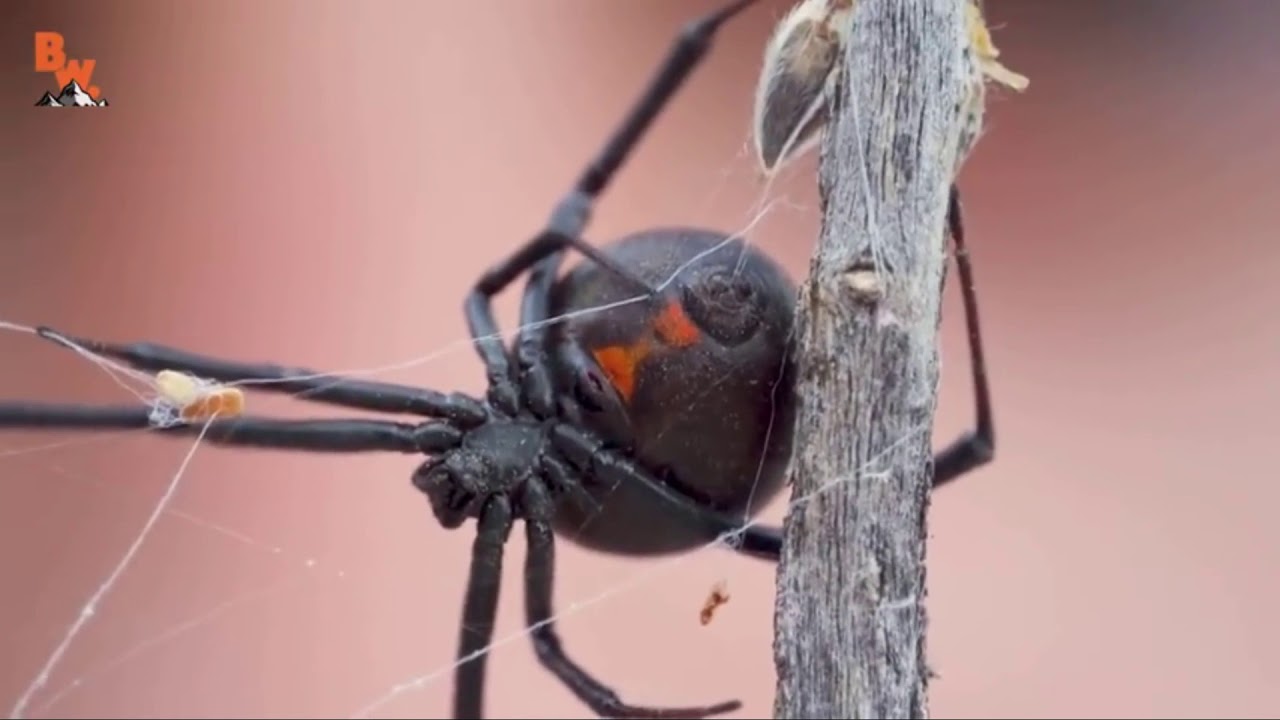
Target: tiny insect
197	400
718	596
801	66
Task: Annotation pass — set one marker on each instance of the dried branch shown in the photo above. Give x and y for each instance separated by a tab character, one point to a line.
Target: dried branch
850	616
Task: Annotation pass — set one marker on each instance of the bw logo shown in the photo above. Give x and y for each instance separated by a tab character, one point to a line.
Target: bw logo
74	77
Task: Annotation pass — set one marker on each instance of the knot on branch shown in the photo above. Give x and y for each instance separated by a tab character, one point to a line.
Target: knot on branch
863	280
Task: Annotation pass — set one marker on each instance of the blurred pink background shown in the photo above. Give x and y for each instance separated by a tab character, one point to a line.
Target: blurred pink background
318	183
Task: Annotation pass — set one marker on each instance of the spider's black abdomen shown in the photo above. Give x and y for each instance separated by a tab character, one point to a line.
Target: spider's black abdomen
696	386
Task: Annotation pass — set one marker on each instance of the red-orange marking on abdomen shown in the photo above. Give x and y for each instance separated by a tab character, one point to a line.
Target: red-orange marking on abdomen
674	327
619	363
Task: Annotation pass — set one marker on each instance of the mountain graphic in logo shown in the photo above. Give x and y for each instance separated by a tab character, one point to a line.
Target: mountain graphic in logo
71	96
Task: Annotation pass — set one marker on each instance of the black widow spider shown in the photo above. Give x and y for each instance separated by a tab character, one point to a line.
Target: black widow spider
649	428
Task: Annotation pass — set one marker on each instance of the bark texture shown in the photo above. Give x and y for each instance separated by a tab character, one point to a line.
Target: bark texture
850	619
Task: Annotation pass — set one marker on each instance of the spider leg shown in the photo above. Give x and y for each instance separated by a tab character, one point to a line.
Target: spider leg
969	452
535	308
539	575
690	46
975	448
326	435
592	457
569	218
480	607
589	456
308	384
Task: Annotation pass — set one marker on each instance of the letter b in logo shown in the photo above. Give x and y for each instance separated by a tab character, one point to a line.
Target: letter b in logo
50	56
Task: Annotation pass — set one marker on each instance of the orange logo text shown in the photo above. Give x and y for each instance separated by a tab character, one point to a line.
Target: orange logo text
51	57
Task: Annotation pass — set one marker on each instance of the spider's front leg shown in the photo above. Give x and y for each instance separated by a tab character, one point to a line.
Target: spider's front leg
307	384
330	435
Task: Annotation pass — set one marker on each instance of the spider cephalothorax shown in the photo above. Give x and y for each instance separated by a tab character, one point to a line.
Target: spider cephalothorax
645	405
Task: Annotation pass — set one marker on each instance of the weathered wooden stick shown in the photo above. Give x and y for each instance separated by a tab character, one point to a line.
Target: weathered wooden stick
850	617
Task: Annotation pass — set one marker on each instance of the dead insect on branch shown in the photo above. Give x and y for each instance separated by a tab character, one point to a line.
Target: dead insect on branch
802	65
